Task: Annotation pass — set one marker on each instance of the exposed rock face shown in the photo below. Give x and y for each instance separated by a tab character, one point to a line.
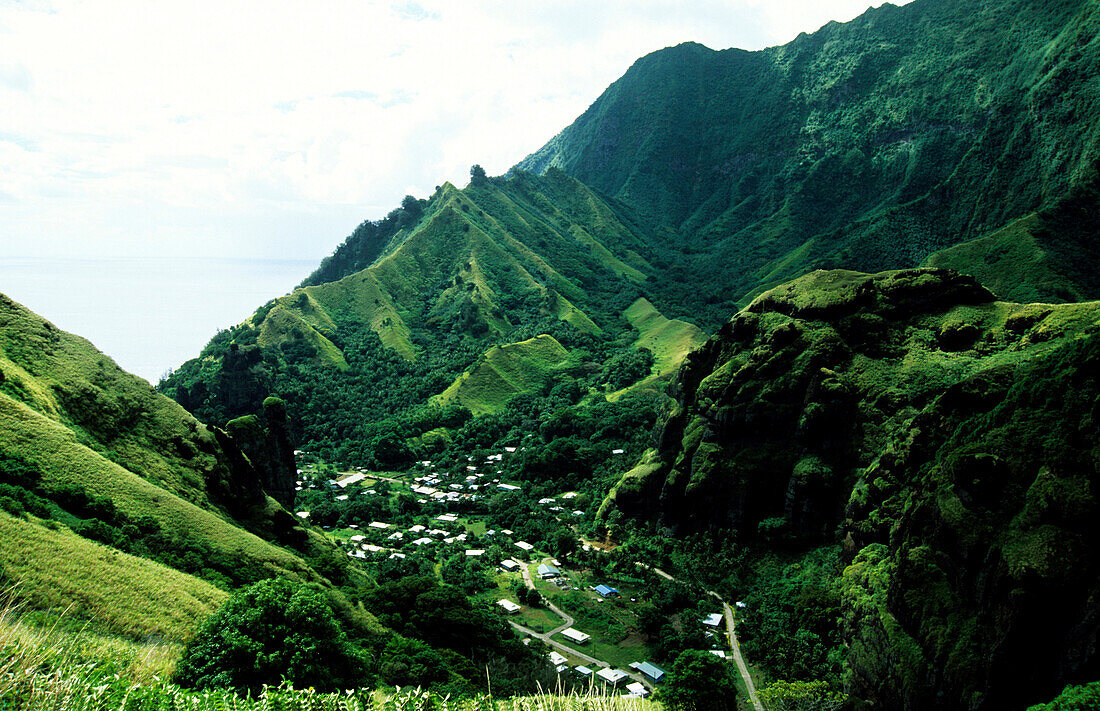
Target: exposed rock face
267	464
780	409
947	441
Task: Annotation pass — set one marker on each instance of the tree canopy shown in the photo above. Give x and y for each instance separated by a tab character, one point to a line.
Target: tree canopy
265	633
700	681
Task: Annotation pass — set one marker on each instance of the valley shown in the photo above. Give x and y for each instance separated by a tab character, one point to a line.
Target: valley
770	382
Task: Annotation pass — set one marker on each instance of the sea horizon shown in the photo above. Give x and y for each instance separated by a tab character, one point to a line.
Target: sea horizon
149	314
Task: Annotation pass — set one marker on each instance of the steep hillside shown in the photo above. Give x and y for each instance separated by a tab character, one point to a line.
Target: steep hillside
505	371
1040	257
669	340
455	309
944	440
104	479
866	145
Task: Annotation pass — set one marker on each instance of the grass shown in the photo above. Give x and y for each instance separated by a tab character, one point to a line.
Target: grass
126	595
64	461
611	623
504	371
67	381
537	618
49	668
670	340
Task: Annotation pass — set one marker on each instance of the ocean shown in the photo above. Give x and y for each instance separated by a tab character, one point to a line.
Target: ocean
148	314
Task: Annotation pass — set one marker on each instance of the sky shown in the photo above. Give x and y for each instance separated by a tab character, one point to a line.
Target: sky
268	130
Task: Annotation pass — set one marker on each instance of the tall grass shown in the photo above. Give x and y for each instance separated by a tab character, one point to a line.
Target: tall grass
50	669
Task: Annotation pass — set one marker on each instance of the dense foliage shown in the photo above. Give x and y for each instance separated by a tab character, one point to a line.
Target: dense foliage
268	633
449	642
699	681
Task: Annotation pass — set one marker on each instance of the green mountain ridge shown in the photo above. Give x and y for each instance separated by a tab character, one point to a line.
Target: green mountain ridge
867	145
498	263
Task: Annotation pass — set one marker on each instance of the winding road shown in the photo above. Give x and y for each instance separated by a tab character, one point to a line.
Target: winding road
567	621
738	659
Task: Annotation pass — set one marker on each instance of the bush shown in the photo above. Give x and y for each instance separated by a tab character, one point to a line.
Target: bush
700	681
270	632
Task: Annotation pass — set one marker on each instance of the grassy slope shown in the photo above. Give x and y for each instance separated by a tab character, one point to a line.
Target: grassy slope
65	379
81	422
1041	257
55	451
125	595
503	372
522	367
470	252
669	340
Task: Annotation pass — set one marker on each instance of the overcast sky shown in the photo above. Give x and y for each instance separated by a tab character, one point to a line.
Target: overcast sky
229	129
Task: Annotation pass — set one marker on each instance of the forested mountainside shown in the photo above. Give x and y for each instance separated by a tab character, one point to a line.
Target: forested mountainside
529	286
867	145
945	440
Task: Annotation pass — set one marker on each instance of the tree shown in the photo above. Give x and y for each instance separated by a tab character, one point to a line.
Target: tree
267	632
700	681
477	174
1073	698
802	696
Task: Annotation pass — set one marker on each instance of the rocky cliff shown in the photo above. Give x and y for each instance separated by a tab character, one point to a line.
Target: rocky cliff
946	440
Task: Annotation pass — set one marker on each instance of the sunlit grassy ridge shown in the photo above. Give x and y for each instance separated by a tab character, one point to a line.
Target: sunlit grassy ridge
57	570
670	340
63	461
98	452
65	379
505	371
471	260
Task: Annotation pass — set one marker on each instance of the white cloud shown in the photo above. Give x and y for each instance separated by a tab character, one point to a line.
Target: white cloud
122	116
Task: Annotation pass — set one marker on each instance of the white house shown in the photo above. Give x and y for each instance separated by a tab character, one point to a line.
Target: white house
575	636
612	677
508	606
714	619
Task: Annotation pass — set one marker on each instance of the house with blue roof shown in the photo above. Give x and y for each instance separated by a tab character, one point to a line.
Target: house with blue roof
652	671
605	591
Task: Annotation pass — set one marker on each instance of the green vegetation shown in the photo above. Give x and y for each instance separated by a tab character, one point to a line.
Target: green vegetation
56	569
867	145
699	681
1073	698
269	633
451	641
122	507
508	288
505	371
934	427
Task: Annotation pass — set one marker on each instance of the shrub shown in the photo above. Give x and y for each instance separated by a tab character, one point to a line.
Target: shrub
270	632
700	681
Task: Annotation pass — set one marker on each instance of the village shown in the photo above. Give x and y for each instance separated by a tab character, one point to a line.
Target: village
587	625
